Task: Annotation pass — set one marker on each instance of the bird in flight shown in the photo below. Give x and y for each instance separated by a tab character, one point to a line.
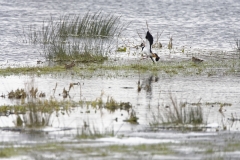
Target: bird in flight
147	49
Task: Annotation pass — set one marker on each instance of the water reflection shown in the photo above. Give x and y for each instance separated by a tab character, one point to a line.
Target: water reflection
146	85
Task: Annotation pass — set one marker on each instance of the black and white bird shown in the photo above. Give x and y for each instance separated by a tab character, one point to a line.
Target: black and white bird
147	49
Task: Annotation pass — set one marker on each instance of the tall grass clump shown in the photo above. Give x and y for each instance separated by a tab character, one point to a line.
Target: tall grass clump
77	36
178	114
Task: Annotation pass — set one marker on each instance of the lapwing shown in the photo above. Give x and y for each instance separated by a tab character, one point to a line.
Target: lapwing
147	49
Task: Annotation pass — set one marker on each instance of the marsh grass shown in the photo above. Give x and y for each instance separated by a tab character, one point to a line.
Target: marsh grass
178	114
77	37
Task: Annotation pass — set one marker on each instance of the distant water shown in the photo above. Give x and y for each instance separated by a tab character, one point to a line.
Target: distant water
207	24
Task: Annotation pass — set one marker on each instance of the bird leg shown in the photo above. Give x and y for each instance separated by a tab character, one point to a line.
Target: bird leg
152	59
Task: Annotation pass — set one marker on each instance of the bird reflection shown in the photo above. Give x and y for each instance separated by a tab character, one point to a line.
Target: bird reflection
147	84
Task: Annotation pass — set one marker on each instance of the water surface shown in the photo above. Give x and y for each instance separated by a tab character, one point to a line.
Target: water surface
196	24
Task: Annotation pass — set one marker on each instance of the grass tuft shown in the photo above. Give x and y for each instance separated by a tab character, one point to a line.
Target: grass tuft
178	114
74	37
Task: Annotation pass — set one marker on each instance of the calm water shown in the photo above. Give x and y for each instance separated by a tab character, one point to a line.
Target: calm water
192	23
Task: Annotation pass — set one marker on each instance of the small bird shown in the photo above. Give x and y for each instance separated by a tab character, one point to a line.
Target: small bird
196	60
69	66
148	48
